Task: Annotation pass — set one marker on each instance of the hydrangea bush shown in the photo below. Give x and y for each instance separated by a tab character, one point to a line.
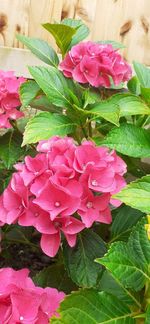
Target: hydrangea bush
74	183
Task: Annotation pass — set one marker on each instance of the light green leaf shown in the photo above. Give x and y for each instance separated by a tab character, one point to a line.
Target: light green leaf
55	276
110	112
91	307
145	93
82	30
41	49
147	320
80	260
54	85
45	125
125	218
129	104
28	91
10	148
143	74
134	85
62	33
137	194
129	140
114	44
129	262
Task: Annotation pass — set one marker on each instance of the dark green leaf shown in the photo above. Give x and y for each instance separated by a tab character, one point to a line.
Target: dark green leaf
91	307
109	285
45	125
10	148
137	194
55	276
125	218
80	260
41	49
129	140
62	33
143	74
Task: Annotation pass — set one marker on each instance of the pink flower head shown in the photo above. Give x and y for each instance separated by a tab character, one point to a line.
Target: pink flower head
96	64
61	183
9	98
22	302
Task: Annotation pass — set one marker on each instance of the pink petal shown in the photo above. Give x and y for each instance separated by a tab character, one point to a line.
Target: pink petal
50	244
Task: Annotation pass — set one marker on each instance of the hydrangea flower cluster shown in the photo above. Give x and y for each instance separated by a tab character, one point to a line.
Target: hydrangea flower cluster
22	302
9	98
63	189
96	64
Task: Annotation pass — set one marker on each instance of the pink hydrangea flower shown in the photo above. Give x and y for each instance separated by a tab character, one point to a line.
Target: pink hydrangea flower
96	64
63	189
22	302
9	98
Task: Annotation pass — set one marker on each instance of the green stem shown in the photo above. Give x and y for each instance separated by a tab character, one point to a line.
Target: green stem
90	129
84	132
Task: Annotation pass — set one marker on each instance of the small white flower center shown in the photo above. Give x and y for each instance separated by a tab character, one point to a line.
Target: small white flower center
94	183
89	204
21	318
57	204
36	173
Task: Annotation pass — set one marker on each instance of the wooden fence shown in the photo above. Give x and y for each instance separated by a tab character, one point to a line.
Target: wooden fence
127	21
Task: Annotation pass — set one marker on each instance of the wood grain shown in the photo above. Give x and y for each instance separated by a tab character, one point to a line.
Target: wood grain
127	21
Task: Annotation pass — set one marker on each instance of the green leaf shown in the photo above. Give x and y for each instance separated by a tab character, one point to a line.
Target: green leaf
125	218
80	260
42	103
62	33
55	276
91	307
41	49
134	85
53	84
10	148
114	44
28	91
109	285
129	262
109	112
129	104
147	320
82	30
129	140
137	194
143	74
45	125
145	93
